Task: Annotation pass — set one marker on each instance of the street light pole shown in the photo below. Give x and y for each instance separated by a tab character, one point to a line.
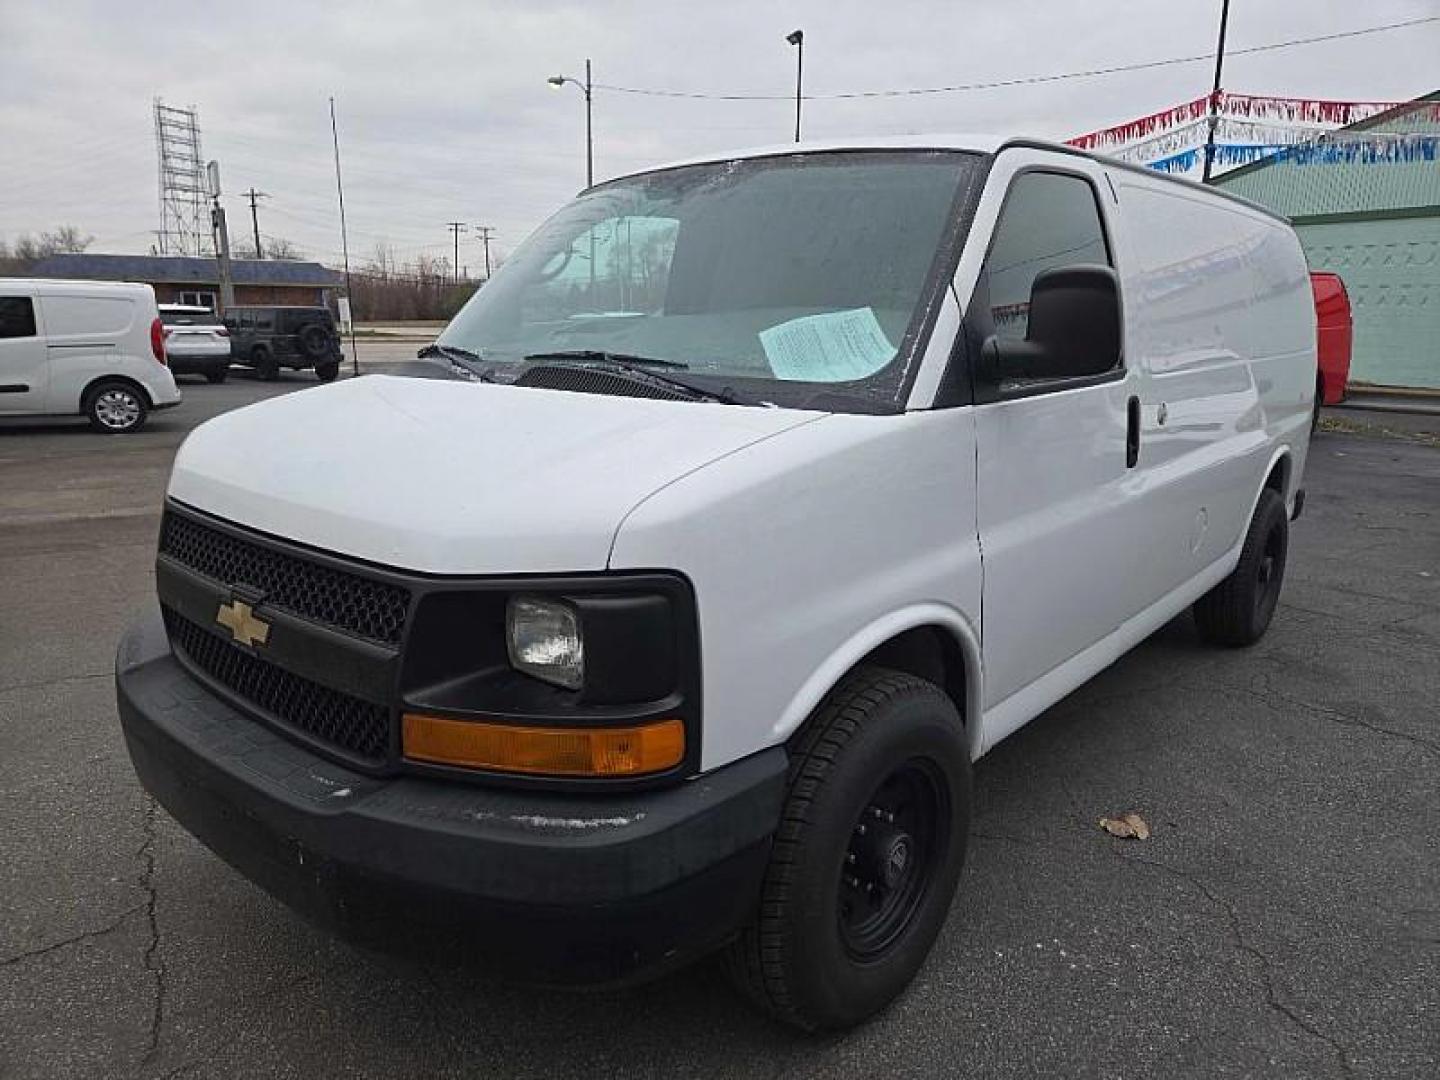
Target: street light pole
589	133
586	88
797	38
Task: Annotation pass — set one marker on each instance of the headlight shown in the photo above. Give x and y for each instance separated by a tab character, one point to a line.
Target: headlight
543	639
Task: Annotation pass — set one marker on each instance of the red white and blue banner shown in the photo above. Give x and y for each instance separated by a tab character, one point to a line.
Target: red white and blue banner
1406	148
1249	127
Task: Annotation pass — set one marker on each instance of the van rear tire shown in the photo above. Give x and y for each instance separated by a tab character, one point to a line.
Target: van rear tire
116	407
867	855
1238	611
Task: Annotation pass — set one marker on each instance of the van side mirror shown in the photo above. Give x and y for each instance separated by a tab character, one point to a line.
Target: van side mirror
1073	329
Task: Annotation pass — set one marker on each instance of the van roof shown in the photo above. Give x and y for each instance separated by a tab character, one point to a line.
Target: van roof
62	285
974	142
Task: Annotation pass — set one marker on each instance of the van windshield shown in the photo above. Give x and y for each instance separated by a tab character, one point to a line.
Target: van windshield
777	277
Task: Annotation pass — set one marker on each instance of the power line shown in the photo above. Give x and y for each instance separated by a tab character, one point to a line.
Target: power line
1030	80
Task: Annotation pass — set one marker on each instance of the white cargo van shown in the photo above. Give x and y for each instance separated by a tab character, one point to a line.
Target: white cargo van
778	489
90	348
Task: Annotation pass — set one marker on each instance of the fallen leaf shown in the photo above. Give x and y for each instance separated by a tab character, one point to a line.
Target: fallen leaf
1127	826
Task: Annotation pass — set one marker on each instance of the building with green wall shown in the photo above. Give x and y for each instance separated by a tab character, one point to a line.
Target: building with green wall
1378	226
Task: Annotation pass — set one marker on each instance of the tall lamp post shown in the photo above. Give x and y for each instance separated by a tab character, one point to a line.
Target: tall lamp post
560	80
1213	115
797	38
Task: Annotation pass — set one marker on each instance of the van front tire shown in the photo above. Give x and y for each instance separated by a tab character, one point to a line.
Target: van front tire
867	855
1238	611
116	408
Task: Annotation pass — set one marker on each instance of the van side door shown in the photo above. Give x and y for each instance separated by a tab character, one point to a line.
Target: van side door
1057	503
24	366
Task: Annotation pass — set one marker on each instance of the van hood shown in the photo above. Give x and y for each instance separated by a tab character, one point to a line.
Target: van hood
454	477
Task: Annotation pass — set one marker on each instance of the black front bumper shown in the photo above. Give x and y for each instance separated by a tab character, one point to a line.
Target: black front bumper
573	888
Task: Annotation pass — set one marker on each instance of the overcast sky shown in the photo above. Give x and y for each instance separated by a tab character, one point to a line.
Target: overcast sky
445	113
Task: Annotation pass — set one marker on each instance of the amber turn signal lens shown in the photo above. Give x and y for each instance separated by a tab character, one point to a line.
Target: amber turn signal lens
478	744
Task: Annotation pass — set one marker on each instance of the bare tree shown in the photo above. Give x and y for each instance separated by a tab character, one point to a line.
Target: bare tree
65	240
276	247
382	259
383	289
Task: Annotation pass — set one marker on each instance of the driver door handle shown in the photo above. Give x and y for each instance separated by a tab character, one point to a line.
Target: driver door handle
1132	431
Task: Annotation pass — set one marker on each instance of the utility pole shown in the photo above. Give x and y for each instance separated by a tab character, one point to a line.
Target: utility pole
456	228
222	238
485	231
1214	118
252	195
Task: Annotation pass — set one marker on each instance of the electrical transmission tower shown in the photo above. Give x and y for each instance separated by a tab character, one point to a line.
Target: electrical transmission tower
184	215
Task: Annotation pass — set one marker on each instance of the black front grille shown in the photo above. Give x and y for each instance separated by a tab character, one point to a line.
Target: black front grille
361	727
345	601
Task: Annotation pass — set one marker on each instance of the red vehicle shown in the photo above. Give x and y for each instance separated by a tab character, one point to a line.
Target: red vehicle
1335	330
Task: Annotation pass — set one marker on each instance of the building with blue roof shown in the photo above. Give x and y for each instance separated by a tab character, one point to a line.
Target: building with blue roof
186	280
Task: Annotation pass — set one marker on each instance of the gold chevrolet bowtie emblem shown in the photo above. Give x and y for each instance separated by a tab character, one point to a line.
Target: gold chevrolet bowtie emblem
240	620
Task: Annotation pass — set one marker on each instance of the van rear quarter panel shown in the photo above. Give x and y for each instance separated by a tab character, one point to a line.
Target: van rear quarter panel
95	329
1218	315
808	550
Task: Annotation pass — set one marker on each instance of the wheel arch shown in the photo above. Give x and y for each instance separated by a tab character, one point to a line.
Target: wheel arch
932	641
1277	479
101	380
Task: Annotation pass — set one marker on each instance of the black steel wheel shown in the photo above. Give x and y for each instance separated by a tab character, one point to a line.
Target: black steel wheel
327	372
867	855
891	859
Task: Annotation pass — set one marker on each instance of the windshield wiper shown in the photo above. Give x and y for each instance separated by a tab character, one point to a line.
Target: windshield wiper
620	359
450	352
640	366
463	362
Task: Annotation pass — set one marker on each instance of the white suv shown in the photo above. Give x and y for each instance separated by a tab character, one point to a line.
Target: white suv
197	342
92	348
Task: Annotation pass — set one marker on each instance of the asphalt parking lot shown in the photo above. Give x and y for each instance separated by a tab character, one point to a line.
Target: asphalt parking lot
1284	919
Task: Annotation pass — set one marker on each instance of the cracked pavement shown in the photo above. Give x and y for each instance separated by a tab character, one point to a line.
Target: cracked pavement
1283	920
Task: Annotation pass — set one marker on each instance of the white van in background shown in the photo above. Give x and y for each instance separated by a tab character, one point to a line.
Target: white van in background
782	487
91	348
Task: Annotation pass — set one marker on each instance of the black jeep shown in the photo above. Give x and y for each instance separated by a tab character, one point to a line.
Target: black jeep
270	338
